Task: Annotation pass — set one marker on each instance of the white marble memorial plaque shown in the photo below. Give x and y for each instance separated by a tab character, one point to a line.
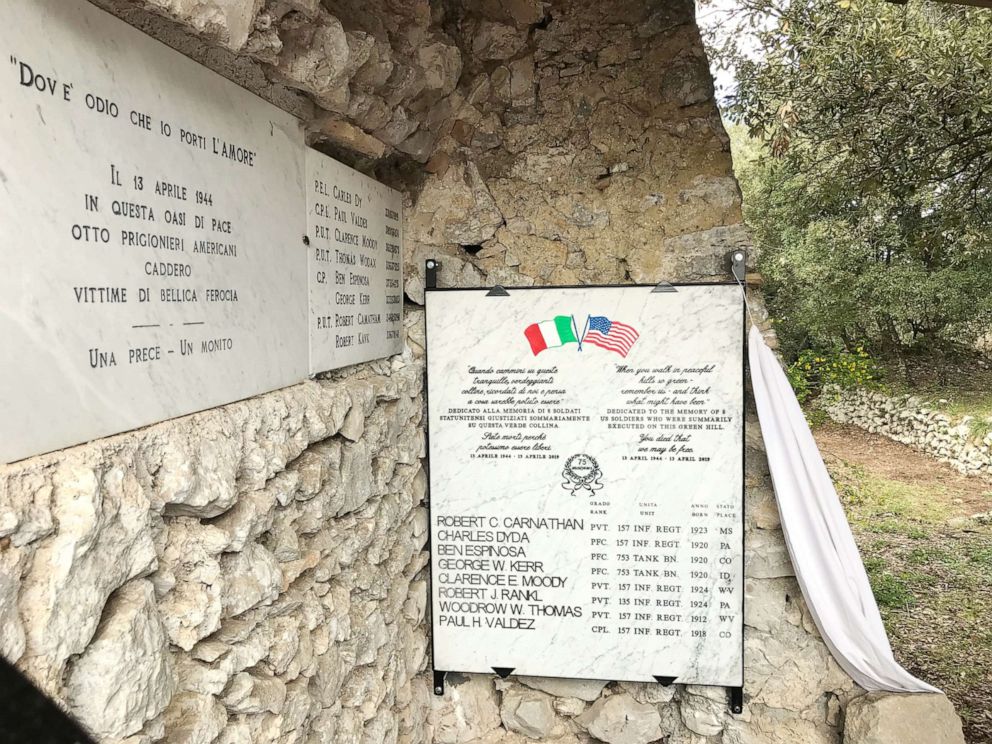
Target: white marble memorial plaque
586	468
151	228
355	233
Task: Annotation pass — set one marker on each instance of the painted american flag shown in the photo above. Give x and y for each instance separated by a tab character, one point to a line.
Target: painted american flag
610	335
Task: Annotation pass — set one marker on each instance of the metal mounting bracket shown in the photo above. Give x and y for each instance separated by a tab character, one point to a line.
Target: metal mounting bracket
738	264
736	695
431	268
439	682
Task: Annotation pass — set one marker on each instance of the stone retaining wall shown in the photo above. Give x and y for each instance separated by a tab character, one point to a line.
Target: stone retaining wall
913	421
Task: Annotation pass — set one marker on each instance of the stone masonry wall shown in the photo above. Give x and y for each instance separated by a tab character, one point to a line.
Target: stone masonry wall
256	573
253	573
913	421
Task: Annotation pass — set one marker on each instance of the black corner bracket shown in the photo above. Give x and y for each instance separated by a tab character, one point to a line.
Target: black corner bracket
736	700
431	267
738	264
503	672
497	291
439	682
664	681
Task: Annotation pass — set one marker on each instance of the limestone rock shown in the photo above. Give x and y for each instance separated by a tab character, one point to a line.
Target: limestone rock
226	21
104	539
522	77
789	668
193	719
693	255
375	72
399	127
583	689
521	13
124	677
25	506
703	713
467	711
649	692
762	509
250	693
768	603
884	718
252	514
455	208
619	719
196	472
569	707
442	66
766	555
254	577
493	41
192	608
419	145
12	636
764	725
528	712
317	60
688	82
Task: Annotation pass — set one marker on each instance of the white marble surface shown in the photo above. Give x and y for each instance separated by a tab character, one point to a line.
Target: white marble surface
641	563
354	225
59	142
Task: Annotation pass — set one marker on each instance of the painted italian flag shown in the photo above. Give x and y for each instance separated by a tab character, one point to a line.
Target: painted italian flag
550	333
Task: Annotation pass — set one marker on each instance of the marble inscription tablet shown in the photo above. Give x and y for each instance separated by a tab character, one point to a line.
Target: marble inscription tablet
586	468
151	228
354	227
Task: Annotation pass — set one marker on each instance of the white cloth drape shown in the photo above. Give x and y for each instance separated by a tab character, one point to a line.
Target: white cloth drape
824	555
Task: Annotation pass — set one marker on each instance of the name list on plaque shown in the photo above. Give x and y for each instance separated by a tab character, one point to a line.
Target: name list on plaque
354	229
587	482
151	222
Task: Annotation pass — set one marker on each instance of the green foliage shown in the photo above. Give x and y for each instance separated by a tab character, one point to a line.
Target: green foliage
891	592
980	428
814	370
864	149
815	416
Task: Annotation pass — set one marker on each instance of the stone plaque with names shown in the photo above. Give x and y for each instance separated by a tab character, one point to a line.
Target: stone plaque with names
586	472
151	228
355	234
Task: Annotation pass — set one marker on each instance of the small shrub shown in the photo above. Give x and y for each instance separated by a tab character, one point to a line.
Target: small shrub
799	381
980	428
815	416
814	370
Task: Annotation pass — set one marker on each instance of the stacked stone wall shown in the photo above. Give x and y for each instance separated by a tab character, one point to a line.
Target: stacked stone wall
256	573
920	424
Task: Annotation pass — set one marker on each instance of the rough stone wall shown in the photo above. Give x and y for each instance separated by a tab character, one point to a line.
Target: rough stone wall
256	572
583	149
913	421
253	573
587	149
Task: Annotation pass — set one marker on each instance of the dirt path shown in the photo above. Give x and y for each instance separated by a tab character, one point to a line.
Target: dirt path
929	561
968	495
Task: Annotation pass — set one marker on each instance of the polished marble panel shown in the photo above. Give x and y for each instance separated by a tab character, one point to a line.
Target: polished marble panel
151	232
587	507
355	234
